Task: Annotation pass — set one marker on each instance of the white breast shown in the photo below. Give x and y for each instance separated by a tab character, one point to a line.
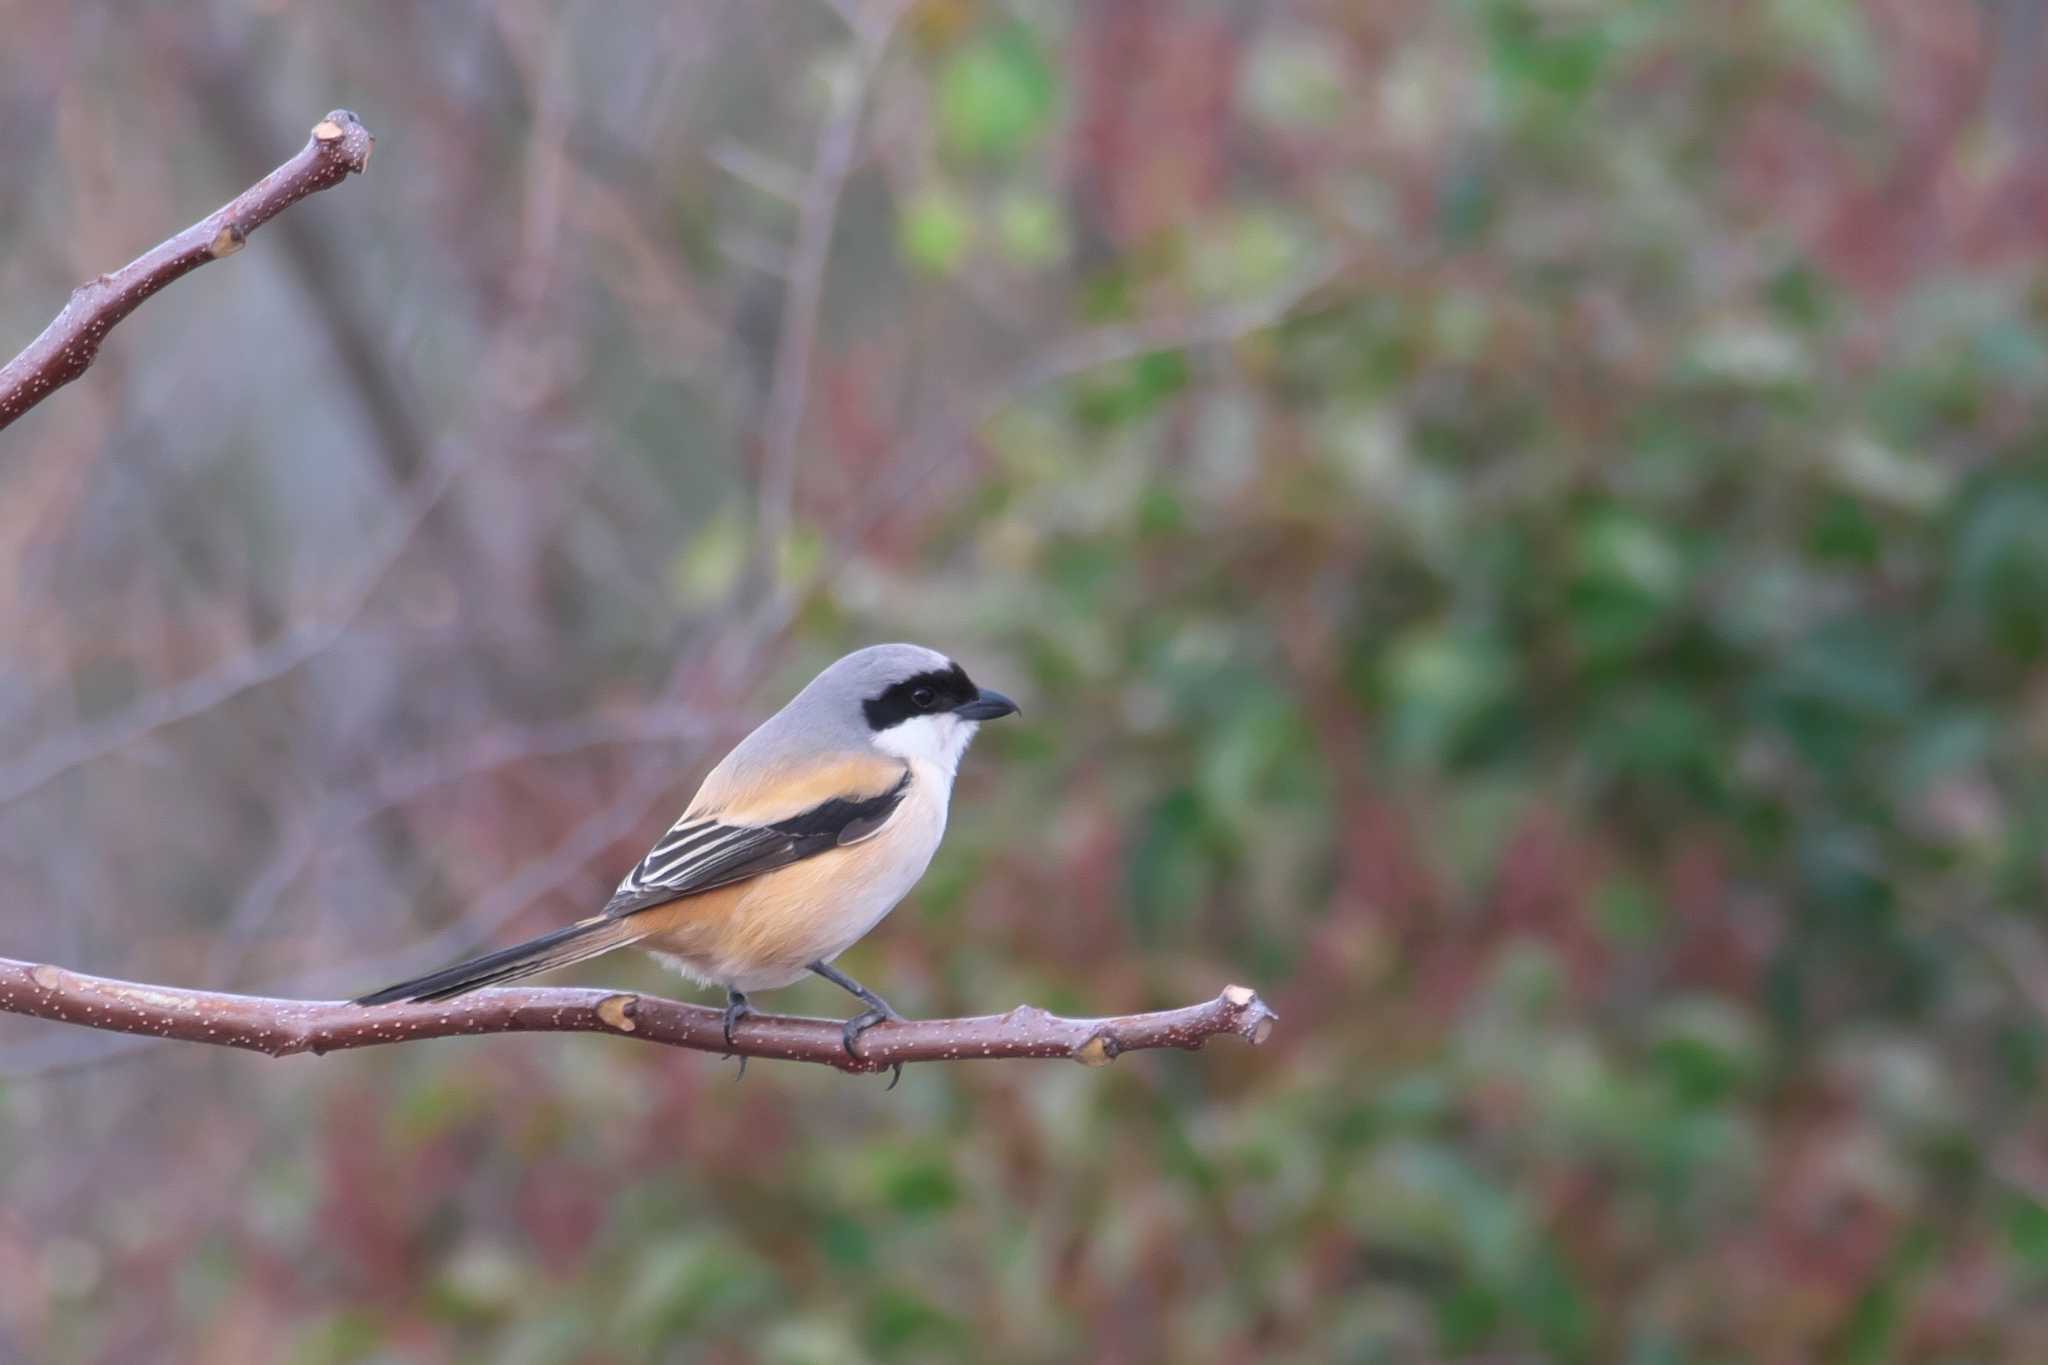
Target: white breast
884	868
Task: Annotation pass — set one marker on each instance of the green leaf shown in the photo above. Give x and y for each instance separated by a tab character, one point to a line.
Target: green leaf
2026	1230
1442	685
2000	564
995	96
1169	863
1560	55
709	566
935	231
1131	390
920	1185
898	1320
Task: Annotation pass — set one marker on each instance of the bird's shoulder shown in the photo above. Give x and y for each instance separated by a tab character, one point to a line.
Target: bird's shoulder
770	790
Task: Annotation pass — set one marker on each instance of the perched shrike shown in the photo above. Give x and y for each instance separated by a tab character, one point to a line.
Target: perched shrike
795	846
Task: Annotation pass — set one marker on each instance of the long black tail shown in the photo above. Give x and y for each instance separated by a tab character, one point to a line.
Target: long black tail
585	938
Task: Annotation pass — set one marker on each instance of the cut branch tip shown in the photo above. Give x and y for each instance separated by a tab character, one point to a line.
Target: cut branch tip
68	346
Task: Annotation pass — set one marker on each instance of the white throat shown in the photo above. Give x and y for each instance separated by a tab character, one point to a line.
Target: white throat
929	741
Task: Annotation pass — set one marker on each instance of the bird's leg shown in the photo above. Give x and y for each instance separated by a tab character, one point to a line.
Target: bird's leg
877	1010
736	1009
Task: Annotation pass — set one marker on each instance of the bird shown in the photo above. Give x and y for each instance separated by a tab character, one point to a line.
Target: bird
796	845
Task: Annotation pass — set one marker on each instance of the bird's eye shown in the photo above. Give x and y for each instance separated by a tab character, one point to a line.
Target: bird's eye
922	699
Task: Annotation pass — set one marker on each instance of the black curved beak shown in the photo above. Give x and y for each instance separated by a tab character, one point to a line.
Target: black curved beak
988	706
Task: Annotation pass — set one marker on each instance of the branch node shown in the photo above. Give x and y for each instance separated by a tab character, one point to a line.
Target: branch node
618	1011
228	240
1099	1050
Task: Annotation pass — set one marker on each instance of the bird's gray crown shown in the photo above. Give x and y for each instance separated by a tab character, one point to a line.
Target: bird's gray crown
868	672
831	714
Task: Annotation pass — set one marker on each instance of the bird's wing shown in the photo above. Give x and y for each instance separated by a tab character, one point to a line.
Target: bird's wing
701	854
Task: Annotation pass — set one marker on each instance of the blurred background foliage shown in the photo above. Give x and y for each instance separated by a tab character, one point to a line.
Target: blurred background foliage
1519	526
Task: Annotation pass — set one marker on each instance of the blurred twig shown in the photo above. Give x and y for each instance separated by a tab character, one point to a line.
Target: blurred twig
339	146
937	444
282	1027
1104	346
789	386
230	678
571	855
2015	953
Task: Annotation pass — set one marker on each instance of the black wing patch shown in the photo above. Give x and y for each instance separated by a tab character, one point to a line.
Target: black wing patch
705	855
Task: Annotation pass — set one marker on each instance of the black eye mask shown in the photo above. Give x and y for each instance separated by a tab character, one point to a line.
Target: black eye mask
946	690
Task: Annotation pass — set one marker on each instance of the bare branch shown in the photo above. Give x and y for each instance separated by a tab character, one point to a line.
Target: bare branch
280	1028
339	146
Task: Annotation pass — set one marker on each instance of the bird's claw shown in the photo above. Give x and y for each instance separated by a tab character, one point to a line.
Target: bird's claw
851	1031
736	1009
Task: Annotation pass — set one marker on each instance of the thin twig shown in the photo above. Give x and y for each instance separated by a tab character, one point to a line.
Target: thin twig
339	146
280	1028
2015	953
763	173
230	678
941	440
789	386
570	856
1110	345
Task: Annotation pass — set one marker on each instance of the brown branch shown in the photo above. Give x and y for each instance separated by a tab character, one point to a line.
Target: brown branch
280	1028
339	146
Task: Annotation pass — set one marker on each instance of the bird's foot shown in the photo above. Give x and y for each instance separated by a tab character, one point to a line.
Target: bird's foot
877	1010
736	1009
851	1031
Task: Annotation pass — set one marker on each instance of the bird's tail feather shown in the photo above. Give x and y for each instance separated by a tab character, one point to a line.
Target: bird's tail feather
583	939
